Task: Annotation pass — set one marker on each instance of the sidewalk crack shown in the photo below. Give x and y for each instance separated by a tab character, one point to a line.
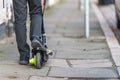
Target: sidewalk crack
48	71
69	64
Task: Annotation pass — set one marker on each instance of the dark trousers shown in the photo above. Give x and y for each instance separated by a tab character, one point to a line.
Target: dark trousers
36	25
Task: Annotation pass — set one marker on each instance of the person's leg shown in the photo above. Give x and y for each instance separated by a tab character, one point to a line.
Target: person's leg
36	17
20	12
35	11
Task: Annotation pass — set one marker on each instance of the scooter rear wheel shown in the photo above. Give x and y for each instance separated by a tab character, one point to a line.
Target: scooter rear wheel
38	61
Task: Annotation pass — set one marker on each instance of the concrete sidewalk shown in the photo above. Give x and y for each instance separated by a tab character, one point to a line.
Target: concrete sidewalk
75	58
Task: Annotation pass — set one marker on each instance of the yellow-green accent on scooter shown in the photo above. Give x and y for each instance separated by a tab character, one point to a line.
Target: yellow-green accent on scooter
32	61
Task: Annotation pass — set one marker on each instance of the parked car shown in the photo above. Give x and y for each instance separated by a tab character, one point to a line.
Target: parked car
117	9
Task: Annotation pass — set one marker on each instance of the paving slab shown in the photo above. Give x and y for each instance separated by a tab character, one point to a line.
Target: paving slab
83	72
73	35
13	77
77	54
95	29
90	41
57	63
45	78
73	43
52	35
23	70
91	63
62	39
84	45
7	49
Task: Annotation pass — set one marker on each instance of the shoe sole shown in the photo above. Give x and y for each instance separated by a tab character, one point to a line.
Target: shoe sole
36	43
23	63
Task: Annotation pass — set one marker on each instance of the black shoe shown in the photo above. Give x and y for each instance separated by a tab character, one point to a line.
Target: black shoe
24	61
35	43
